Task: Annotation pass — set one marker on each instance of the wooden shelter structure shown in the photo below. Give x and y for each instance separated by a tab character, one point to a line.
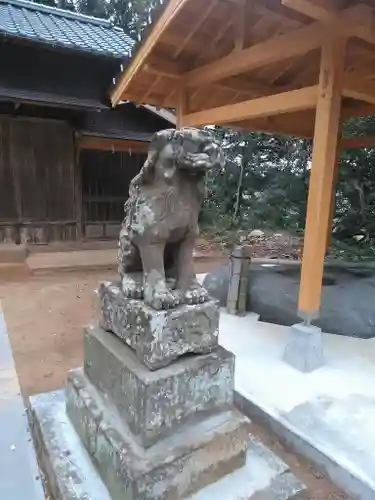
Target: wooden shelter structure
294	67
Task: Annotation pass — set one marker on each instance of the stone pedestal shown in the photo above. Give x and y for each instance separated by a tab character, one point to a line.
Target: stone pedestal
159	337
155	434
162	434
154	404
304	350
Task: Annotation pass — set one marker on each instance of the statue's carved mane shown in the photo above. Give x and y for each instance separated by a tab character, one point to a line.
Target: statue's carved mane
158	142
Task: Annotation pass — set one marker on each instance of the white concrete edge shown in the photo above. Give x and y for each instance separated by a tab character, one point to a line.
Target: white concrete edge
304	438
12	407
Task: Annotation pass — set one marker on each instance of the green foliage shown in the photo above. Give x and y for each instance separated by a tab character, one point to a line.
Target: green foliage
263	184
132	15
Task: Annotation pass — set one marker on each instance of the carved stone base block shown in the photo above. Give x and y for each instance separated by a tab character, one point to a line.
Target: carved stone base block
154	404
304	350
196	454
159	337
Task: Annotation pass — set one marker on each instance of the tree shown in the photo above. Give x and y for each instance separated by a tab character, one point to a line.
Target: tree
133	16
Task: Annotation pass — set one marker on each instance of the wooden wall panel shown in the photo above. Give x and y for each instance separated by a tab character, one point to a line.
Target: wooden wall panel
8	206
105	184
37	166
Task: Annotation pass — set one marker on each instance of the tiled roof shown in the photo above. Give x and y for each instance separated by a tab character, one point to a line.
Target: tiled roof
21	18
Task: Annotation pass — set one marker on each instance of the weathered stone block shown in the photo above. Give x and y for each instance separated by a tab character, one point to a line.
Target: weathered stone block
154	404
159	337
195	456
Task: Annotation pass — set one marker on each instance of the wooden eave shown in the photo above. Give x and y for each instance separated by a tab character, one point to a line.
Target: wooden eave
251	63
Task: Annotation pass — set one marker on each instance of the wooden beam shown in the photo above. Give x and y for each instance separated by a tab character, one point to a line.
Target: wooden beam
357	88
327	124
349	22
273	128
276	49
320	10
171	11
171	69
286	102
114	145
359	22
363	109
357	142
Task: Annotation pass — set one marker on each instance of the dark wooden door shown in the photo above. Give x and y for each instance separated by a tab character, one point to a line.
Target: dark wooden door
105	187
37	179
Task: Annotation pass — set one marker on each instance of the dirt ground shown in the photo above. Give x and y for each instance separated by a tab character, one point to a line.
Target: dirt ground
45	317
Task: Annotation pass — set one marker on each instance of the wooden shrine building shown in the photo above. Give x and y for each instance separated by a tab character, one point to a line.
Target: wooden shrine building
66	157
294	67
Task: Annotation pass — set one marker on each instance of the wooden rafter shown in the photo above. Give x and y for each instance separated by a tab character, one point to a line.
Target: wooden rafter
210	6
353	21
320	10
171	11
357	88
285	102
282	47
280	125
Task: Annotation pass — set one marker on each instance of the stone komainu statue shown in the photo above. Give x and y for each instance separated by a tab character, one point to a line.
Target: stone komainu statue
161	219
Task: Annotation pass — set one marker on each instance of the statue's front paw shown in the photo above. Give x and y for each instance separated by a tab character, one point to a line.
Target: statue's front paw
164	299
196	295
132	287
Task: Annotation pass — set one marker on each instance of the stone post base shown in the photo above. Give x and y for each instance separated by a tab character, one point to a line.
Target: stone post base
304	350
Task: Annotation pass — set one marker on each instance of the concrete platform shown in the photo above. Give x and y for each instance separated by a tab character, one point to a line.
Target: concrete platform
73	477
326	415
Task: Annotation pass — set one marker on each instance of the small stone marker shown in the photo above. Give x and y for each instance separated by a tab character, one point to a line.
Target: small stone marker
238	280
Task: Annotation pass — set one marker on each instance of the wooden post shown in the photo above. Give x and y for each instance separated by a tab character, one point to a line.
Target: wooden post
327	123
